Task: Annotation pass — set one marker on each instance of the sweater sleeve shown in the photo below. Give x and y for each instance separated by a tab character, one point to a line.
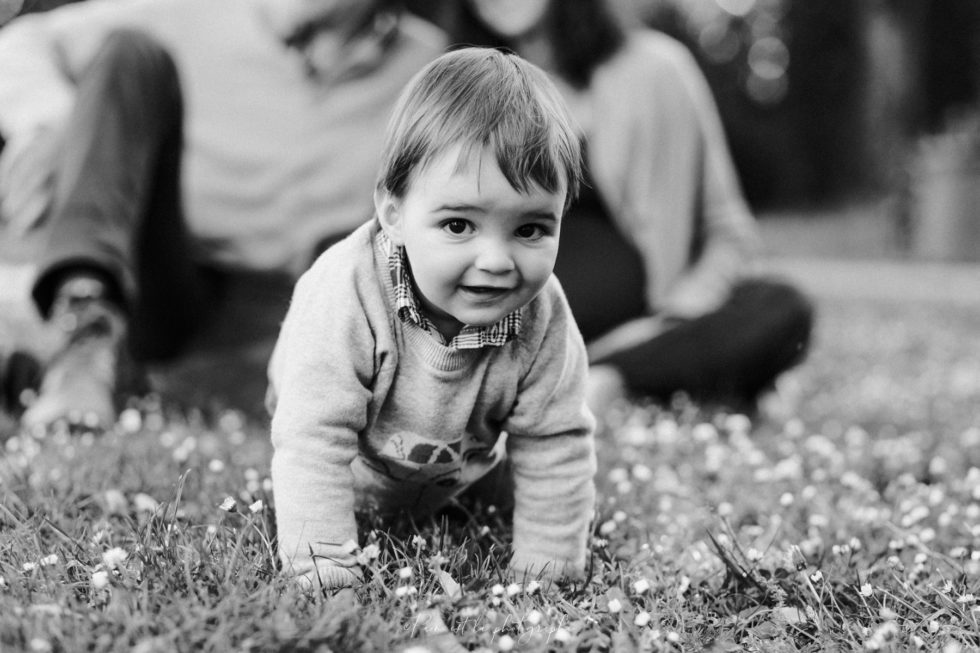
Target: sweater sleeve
42	54
726	229
321	375
551	448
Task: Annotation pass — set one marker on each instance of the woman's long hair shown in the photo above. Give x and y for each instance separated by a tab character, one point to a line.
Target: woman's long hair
583	33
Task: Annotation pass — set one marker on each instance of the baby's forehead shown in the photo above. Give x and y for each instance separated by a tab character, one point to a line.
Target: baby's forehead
476	164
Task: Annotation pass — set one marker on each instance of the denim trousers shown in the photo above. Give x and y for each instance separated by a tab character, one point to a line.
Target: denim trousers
729	355
117	210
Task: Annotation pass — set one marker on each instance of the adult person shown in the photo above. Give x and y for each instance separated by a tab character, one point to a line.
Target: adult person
179	163
656	255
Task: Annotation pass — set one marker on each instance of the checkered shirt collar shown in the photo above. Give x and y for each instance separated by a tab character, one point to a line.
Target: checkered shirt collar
408	310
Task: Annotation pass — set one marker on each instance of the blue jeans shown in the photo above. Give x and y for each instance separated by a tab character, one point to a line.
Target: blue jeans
117	213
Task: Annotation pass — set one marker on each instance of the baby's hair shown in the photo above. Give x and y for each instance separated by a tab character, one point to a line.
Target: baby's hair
480	98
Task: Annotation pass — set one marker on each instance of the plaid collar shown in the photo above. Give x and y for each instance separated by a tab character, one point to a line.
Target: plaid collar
408	310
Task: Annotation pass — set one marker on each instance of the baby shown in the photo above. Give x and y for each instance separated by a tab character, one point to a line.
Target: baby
433	347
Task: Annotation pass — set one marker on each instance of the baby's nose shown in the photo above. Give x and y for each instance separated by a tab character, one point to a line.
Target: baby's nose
495	258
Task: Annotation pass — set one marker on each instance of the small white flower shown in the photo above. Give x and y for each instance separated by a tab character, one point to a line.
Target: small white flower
130	420
725	509
115	502
368	554
532	587
39	645
29	566
497	590
114	557
753	554
704	432
513	590
867	590
607	528
562	636
642	618
614	606
738	423
100	579
966	598
642	473
786	499
228	505
641	586
256	507
3	583
145	503
933	627
49	560
816	576
673	637
405	573
505	643
484	531
216	466
534	617
618	475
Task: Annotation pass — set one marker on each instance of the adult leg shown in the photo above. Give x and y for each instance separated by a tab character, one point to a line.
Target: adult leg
118	266
730	355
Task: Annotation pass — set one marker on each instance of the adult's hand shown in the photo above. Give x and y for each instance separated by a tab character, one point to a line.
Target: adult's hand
27	165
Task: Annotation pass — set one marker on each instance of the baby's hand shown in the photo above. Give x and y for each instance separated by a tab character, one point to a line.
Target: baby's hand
328	578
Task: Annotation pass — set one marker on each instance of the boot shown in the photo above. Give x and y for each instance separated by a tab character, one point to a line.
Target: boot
80	381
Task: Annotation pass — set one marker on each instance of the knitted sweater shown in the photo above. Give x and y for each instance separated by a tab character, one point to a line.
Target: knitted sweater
275	160
660	161
370	410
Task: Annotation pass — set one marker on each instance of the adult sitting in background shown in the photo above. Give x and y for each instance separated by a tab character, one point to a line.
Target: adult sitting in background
179	163
654	256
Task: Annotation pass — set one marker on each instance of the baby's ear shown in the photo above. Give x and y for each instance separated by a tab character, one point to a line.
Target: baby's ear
389	210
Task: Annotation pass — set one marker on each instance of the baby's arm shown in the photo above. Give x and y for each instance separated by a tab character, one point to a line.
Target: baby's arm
552	454
320	374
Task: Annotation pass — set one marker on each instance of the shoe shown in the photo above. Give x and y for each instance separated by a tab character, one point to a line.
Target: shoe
20	378
80	381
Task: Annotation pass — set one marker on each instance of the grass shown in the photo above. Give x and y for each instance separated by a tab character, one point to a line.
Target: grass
851	523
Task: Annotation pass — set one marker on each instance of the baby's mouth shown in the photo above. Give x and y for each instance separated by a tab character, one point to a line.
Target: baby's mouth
487	291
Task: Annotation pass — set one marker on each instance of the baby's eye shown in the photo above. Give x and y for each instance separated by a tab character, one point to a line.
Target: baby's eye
456	226
531	231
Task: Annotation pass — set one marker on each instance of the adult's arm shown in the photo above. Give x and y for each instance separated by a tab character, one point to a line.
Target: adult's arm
724	225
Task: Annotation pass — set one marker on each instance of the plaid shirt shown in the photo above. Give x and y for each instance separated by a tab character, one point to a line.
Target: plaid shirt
407	306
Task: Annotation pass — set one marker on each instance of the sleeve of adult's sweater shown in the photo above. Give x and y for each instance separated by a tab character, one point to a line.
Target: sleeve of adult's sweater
43	54
320	376
550	446
728	233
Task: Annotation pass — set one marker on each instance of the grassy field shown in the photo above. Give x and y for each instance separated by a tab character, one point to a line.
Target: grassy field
847	520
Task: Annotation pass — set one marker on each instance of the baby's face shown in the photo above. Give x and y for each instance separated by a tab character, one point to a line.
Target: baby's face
478	248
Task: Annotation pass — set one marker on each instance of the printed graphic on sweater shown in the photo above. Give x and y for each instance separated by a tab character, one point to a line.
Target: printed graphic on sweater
410	457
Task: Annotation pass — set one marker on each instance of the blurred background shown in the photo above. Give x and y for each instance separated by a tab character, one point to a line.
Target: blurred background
855	121
854	124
